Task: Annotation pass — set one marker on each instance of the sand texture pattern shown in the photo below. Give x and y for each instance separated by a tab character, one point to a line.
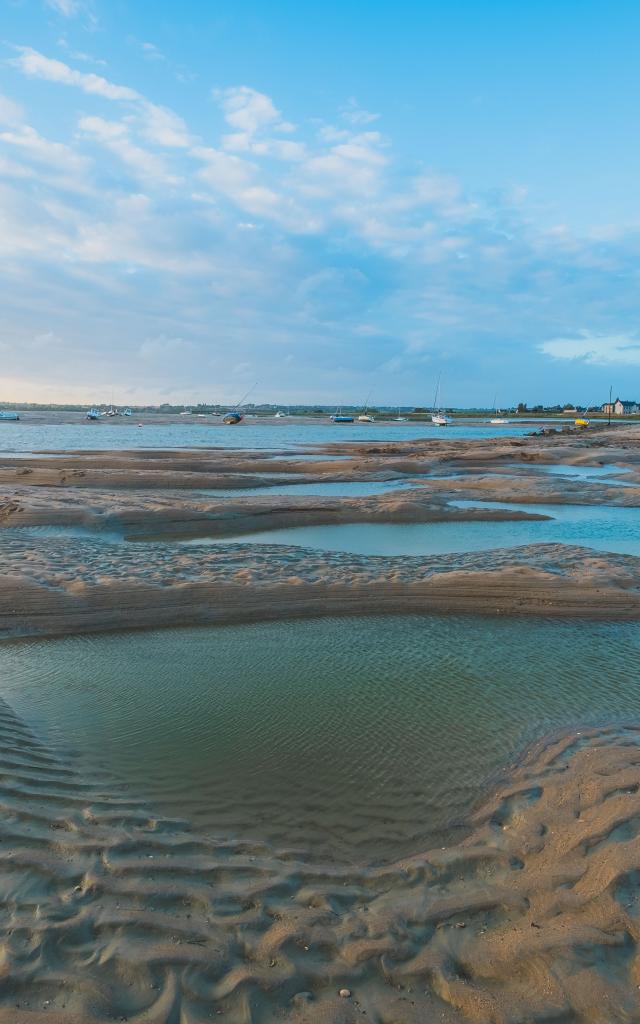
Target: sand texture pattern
116	561
111	913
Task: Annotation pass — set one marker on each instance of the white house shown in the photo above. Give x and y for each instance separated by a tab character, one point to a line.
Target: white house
621	407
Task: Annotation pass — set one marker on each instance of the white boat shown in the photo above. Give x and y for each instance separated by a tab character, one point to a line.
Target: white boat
498	420
111	411
438	417
7	415
93	413
366	417
280	415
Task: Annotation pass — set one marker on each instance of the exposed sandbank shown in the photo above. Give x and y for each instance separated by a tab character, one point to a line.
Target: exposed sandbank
55	594
61	586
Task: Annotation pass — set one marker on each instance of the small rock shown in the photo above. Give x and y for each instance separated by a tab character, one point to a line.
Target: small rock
302	997
345	993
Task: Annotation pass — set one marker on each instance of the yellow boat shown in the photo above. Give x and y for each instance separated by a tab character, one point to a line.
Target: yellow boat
581	423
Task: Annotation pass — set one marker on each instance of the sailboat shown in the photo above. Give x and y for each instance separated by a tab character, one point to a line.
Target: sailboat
234	416
583	421
498	420
93	413
364	416
339	418
399	418
438	417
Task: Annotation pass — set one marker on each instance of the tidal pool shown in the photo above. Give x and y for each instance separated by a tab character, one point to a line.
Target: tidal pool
602	527
603	474
355	739
333	488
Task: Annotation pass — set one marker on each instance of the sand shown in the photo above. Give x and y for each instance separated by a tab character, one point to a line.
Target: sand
104	581
112	913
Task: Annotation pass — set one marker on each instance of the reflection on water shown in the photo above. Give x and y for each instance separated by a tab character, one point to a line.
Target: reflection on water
26	437
334	488
602	527
602	474
357	738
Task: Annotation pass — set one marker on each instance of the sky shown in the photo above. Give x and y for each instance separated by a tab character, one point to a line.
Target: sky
331	200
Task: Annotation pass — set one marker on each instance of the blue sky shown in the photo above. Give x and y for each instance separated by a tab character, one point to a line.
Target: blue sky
333	199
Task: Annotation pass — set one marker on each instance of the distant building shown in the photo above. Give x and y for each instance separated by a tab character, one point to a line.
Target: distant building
621	407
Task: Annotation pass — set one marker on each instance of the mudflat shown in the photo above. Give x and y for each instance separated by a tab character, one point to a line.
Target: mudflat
109	553
114	911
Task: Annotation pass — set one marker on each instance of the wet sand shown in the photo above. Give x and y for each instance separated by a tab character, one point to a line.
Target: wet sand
112	913
104	581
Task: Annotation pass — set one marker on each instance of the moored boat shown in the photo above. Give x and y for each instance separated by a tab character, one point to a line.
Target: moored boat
231	418
438	417
93	413
6	414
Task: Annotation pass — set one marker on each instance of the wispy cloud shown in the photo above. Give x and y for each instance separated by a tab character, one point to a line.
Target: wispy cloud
598	349
67	8
10	111
310	250
36	65
355	114
115	136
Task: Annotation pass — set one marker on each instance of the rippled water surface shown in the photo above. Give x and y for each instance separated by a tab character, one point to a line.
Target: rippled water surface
332	488
26	437
604	474
602	527
353	738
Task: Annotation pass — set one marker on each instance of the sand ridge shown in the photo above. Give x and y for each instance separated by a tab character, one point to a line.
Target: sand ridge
112	913
96	580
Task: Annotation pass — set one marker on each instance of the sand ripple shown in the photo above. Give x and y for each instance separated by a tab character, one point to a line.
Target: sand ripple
110	913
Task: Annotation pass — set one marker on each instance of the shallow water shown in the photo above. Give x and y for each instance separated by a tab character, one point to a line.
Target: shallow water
586	473
35	437
334	488
601	527
360	739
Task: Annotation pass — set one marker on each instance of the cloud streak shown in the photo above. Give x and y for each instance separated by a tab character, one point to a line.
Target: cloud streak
312	252
595	349
36	65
